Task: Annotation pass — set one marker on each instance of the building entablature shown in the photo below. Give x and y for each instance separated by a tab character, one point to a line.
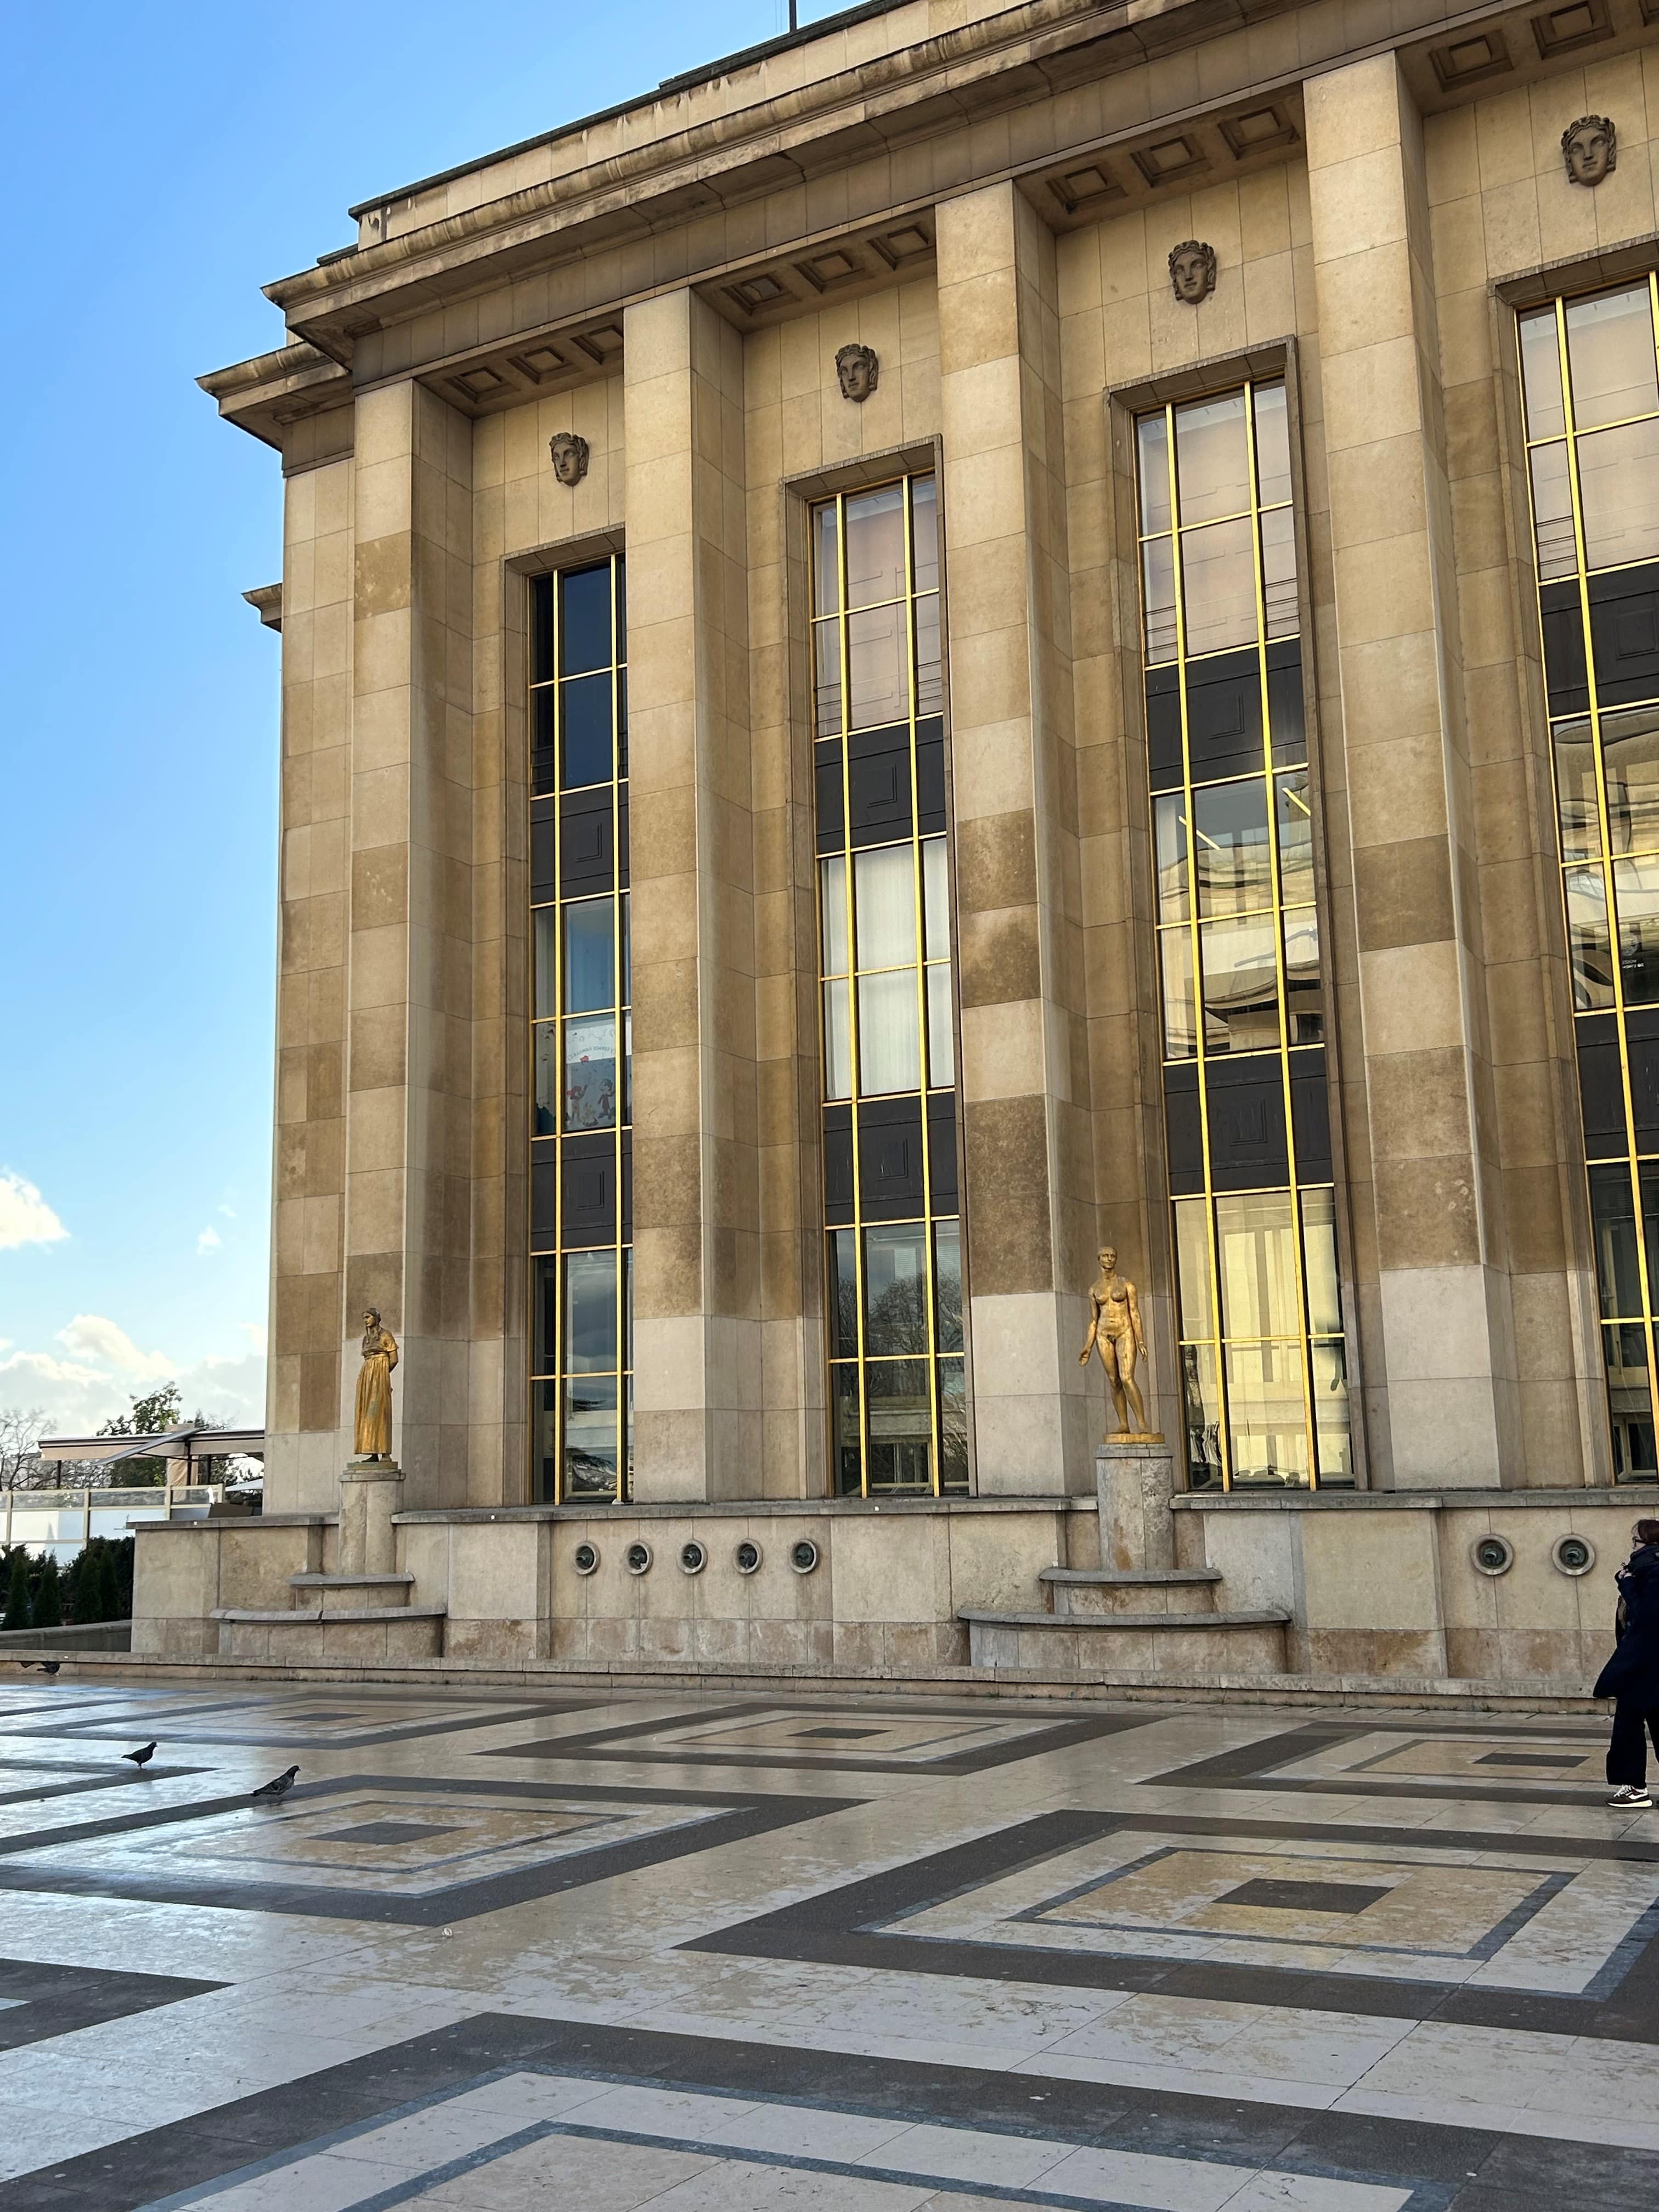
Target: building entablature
506	279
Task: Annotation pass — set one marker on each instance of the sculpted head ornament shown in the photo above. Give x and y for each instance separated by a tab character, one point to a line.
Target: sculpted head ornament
857	370
569	453
1192	271
1591	149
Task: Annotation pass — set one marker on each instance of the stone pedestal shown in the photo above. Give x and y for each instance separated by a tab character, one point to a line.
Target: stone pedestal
1135	1482
371	1492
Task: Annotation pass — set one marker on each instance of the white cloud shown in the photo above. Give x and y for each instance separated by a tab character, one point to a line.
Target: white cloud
95	1338
209	1240
227	1389
46	1369
105	1369
25	1217
75	1398
229	1212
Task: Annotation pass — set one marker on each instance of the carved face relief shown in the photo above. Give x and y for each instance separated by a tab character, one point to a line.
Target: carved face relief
857	371
1192	271
1591	149
569	457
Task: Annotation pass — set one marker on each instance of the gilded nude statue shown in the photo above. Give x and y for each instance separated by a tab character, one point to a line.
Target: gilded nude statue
373	1433
1115	1332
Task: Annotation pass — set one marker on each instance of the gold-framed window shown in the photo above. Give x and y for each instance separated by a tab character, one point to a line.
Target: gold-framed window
894	1302
582	1319
1264	1366
1589	380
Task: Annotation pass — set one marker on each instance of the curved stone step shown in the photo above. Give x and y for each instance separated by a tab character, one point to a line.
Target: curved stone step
1089	1592
348	1593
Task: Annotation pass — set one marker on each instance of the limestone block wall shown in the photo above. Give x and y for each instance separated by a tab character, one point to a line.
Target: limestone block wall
307	1274
1498	212
1122	333
1024	1074
519	509
1380	1587
183	1568
883	1596
799	434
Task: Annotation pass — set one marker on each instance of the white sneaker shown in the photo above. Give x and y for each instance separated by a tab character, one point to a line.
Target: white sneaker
1630	1799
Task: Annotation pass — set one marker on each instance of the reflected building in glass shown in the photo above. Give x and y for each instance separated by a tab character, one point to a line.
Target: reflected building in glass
1590	384
581	1111
1247	1127
893	1234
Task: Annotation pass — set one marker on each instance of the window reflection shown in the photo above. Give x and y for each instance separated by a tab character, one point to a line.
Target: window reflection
1218	573
1264	1370
898	1385
581	1295
1610	357
1602	422
875	546
1212	459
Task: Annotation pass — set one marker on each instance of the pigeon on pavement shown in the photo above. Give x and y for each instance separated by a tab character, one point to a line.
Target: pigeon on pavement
279	1787
143	1756
46	1666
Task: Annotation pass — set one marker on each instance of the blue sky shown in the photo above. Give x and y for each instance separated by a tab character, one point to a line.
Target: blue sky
160	164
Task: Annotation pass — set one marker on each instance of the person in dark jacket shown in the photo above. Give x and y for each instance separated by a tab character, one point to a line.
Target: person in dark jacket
1632	1676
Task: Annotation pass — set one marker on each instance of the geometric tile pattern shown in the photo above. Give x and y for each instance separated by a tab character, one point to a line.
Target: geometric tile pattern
295	1721
1504	1763
386	1848
861	1955
1547	1930
37	2002
931	1738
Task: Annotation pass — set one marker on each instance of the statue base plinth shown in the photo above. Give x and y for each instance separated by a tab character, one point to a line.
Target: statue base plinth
1135	1482
370	1492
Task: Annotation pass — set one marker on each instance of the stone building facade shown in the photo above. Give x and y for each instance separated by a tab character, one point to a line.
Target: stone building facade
982	631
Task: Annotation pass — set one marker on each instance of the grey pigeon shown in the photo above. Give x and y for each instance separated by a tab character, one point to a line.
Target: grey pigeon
46	1666
143	1756
279	1787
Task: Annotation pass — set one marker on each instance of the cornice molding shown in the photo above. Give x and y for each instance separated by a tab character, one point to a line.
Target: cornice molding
978	69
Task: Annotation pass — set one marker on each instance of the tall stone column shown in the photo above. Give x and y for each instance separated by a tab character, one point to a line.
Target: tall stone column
304	1447
409	902
697	1220
1024	1075
1443	1335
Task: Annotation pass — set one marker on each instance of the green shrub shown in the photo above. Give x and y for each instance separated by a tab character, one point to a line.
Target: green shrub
98	1581
48	1599
17	1612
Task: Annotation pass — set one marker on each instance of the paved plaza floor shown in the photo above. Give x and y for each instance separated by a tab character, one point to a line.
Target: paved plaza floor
499	1950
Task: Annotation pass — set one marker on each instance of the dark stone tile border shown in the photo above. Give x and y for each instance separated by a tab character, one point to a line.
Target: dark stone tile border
48	2000
1253	1766
249	1732
91	1778
738	1815
1446	2168
852	1927
1045	1735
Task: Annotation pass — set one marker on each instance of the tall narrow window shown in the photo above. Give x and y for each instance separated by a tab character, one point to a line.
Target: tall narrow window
581	1229
1264	1371
897	1387
1590	376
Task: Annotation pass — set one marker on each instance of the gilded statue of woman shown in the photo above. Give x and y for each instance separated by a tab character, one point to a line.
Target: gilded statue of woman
1115	1332
373	1426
